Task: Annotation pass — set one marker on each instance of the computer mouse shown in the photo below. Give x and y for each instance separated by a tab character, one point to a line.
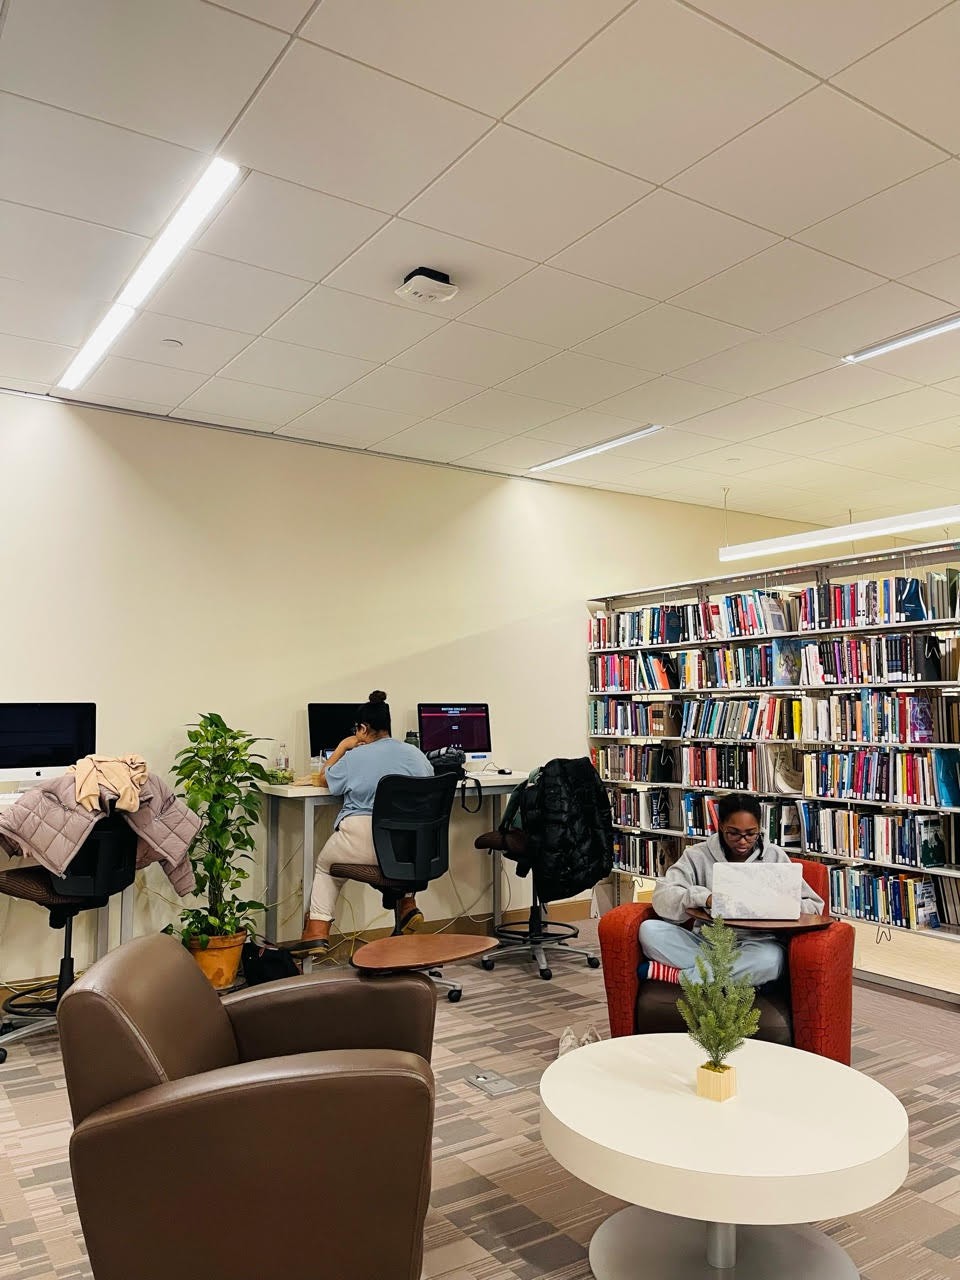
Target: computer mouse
507	771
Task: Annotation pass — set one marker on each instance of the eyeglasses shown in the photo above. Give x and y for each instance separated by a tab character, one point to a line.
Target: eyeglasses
733	836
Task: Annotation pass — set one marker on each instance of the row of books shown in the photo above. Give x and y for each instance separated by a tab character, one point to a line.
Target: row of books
905	902
634	764
730	767
879	601
909	840
651	810
643	855
870	715
626	673
745	613
628	719
848	660
896	777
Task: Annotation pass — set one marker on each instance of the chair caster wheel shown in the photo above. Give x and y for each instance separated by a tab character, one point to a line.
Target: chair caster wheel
454	996
593	962
486	964
546	974
3	1056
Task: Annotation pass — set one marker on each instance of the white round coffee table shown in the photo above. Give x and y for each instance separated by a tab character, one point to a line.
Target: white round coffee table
804	1139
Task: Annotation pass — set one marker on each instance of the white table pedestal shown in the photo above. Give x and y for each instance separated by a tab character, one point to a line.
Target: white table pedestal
638	1242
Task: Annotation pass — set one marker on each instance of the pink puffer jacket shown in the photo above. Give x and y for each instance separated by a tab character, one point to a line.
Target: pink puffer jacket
48	825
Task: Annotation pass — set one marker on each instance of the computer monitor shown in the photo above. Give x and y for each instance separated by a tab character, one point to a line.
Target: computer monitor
329	723
465	725
40	739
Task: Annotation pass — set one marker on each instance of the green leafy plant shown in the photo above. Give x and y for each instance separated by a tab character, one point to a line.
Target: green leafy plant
719	1009
219	773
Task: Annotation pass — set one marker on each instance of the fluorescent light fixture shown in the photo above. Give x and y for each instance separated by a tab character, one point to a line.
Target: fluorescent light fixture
929	519
596	448
905	340
96	346
218	177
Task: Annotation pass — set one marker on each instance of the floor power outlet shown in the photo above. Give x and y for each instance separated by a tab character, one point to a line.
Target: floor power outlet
491	1083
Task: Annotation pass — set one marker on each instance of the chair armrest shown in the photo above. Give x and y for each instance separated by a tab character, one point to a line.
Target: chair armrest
275	1168
340	1010
621	954
821	990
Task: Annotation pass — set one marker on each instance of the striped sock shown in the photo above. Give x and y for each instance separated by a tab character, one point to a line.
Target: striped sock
658	972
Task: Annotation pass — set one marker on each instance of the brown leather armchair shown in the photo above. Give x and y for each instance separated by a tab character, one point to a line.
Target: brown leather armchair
282	1131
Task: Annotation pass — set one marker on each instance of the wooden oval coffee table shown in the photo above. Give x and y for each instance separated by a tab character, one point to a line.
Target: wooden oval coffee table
721	1186
404	952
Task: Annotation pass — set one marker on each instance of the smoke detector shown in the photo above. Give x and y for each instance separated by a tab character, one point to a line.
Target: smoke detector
427	285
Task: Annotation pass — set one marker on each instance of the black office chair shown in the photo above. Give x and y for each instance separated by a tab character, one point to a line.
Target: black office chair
411	836
105	864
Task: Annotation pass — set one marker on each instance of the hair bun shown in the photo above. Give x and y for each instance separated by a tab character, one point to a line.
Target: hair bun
377	696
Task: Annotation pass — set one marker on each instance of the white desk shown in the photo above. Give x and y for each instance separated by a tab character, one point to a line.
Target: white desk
493	786
804	1139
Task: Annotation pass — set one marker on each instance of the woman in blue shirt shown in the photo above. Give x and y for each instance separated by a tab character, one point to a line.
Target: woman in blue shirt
353	771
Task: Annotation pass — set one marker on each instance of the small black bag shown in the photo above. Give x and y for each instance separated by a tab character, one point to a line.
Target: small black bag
263	962
448	760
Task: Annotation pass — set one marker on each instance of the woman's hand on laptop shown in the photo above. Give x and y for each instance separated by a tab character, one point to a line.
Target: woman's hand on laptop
709	903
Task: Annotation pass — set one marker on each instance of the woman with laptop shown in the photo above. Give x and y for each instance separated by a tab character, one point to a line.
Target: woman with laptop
353	771
728	871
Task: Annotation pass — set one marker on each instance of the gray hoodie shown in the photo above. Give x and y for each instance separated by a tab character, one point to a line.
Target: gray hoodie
688	882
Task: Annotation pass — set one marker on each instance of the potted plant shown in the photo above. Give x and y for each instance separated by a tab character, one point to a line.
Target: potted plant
718	1010
219	774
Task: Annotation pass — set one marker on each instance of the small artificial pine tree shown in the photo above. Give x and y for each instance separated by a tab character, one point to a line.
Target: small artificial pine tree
718	1010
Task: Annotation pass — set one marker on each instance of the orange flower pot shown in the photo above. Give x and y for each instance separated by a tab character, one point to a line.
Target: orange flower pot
220	959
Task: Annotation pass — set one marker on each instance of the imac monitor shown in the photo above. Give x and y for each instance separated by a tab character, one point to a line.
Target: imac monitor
464	725
329	723
40	739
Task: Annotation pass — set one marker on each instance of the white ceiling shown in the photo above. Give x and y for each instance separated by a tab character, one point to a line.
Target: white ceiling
656	212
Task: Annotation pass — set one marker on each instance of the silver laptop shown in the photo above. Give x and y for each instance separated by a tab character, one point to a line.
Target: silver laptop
757	890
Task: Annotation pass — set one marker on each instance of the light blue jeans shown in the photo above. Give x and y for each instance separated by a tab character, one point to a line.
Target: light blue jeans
760	959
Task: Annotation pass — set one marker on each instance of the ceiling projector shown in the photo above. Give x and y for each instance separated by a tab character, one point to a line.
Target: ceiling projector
426	285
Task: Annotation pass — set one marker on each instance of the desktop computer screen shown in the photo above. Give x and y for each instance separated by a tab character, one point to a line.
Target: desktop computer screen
39	739
465	725
329	723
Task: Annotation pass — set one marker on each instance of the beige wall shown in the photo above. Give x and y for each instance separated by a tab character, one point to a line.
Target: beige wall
164	570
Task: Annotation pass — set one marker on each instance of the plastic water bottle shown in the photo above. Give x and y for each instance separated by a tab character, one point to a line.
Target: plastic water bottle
283	759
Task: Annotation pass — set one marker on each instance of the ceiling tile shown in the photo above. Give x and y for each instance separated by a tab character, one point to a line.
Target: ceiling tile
576	380
914	78
285	14
338	422
790	479
68	164
143	66
823	35
942	279
838	389
47	314
901	230
104	401
512	44
866	319
54	252
226	398
816	435
463	351
745	419
818	155
352	325
545	196
205	348
556	307
666	400
911	409
439	441
134	380
945	434
230	295
756	366
671	445
287	228
11	384
32	361
898	459
406	392
518	454
351	131
933	360
606	468
664	338
780	285
585	428
501	411
736	460
663	244
952	385
659	62
379	267
281	364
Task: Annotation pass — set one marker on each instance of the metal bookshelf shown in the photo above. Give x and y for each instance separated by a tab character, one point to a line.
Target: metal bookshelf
906	562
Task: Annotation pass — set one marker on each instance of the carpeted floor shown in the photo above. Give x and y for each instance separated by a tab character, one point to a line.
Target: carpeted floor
502	1209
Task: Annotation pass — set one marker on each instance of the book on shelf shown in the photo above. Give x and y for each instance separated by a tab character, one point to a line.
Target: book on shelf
904	839
946	900
643	855
787	662
887	898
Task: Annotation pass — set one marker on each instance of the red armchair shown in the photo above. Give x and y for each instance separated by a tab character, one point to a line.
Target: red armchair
811	1008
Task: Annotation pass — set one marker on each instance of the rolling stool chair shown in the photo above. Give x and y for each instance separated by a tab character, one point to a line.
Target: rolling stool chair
105	864
411	836
539	935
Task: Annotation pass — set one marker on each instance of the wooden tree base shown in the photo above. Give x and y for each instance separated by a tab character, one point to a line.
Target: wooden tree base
718	1086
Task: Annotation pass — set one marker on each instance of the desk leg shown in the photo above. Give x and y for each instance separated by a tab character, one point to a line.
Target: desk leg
309	814
127	899
273	867
497	864
102	944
